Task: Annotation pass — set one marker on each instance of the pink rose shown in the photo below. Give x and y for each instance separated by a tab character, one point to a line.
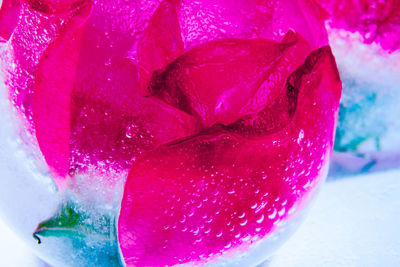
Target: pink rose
224	111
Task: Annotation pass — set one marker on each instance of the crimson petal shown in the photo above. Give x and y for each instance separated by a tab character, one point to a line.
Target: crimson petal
55	6
9	14
215	80
216	192
96	118
52	93
161	44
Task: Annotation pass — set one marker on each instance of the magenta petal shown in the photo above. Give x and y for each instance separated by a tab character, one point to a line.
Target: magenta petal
55	6
223	19
97	116
52	93
9	14
112	122
273	86
304	17
215	80
161	44
215	192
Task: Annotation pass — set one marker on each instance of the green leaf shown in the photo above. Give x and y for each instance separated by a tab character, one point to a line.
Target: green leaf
87	235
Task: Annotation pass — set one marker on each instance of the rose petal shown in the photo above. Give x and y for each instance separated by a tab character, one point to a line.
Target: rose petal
9	14
203	21
161	44
52	93
292	58
234	68
213	193
101	120
304	17
55	6
112	122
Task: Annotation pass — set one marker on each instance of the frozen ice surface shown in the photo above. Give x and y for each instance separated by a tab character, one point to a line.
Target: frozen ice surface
369	106
368	126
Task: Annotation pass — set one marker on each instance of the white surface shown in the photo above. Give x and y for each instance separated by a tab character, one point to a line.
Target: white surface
13	252
354	222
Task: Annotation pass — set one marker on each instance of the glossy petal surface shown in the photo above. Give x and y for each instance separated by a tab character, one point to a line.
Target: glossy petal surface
55	6
52	93
121	45
217	122
98	114
235	69
215	192
208	20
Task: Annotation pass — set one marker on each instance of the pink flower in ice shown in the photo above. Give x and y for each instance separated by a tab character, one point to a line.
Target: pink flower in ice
267	131
224	111
79	71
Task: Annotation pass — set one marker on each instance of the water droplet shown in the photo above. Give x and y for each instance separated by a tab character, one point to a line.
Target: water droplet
260	219
301	136
196	230
282	212
273	214
131	131
242	215
108	62
228	245
243	223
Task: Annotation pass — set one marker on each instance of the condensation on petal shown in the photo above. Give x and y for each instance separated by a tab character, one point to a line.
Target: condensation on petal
52	93
230	187
215	80
55	6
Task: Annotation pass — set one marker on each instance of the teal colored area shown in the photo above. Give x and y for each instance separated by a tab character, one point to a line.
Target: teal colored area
361	115
91	237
